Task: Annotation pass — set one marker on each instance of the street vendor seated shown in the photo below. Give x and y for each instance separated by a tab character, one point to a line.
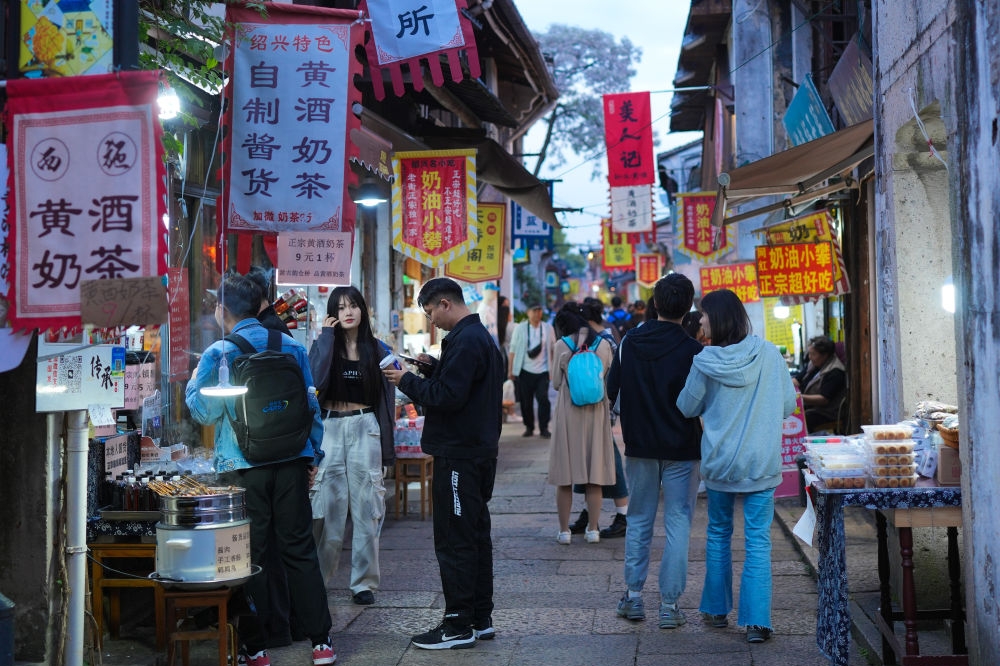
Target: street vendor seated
822	382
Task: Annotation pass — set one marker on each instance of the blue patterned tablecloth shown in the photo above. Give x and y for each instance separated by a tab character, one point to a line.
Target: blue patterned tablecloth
833	620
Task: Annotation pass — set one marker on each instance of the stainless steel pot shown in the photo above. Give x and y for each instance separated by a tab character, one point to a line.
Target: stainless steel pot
192	510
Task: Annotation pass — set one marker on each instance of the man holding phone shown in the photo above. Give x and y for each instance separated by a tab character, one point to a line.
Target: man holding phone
462	401
530	347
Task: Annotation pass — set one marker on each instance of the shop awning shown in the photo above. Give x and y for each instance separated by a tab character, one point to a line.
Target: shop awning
804	172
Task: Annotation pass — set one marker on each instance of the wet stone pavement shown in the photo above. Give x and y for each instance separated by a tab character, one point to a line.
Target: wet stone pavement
555	604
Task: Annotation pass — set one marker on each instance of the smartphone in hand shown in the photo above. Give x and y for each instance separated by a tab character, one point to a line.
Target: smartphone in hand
424	368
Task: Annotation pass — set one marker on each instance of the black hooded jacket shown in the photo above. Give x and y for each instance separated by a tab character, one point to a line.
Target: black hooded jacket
649	371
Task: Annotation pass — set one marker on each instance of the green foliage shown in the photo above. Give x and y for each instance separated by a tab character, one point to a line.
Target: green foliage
585	65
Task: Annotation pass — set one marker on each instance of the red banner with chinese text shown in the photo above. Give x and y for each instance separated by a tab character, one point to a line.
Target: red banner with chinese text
485	261
434	205
180	322
87	190
694	226
617	254
289	117
647	269
628	133
799	269
739	278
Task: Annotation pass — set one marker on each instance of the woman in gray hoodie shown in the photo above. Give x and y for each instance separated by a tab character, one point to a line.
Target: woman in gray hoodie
739	385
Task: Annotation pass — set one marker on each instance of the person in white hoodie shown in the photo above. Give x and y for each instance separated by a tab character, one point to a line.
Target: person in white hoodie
739	385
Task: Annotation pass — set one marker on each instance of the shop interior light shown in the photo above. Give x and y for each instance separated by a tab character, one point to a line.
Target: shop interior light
948	295
223	389
781	311
169	103
369	194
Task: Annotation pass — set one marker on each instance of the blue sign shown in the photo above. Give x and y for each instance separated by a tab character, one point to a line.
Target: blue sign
806	118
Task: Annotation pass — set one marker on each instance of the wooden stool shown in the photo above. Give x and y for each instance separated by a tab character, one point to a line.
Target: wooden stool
420	469
177	605
99	553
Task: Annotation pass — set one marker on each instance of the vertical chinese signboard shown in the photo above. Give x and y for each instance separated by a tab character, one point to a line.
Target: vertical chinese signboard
434	205
180	322
632	210
289	117
793	430
628	133
485	261
617	253
699	239
739	278
798	269
647	269
87	193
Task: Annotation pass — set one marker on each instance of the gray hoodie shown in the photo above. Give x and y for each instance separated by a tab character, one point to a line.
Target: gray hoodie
743	392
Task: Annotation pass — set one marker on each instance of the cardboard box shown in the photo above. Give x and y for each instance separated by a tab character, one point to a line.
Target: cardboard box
949	467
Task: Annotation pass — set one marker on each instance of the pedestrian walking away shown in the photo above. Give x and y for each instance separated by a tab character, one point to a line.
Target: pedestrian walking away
358	406
739	386
462	401
276	492
661	448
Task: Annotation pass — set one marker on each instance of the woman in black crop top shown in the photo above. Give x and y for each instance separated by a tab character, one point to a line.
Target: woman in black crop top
358	409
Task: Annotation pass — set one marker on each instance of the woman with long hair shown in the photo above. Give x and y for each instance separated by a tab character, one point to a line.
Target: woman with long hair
581	450
739	386
358	410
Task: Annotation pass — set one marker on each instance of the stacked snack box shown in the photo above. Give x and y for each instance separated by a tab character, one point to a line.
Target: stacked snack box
838	461
889	451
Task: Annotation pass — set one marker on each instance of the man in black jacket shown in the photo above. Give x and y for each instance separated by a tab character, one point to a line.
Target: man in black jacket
462	401
662	447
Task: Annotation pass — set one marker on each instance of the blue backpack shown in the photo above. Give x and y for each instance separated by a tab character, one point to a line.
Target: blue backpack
584	373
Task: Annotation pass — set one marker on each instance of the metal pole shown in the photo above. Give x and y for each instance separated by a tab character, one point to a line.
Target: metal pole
77	447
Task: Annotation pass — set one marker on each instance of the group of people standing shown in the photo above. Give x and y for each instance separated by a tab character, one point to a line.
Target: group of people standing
701	399
691	409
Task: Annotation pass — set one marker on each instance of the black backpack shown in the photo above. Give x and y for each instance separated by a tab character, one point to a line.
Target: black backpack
273	418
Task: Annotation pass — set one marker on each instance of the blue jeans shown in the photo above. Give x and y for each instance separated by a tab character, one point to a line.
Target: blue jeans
755	583
679	481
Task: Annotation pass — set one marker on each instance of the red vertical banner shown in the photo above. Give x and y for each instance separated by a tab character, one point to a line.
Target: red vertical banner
628	133
694	221
647	269
434	217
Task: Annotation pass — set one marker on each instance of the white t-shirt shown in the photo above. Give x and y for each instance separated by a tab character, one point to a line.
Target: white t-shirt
540	363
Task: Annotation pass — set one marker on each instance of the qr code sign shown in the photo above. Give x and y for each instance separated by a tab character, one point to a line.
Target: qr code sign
69	373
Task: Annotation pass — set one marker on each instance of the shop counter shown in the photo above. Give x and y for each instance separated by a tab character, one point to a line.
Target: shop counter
925	505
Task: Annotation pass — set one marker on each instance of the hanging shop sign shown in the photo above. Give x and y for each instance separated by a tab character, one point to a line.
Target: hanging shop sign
180	323
315	257
617	254
740	278
72	377
484	262
289	113
416	33
795	270
66	38
647	269
4	222
806	118
632	209
528	231
628	134
434	205
112	302
88	191
806	229
699	239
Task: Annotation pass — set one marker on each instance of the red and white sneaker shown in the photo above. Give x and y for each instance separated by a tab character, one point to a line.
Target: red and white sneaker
323	654
259	659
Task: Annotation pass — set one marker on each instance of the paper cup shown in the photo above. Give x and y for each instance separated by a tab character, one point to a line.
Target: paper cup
388	360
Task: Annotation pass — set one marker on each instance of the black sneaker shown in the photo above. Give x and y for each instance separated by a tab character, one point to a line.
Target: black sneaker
757	634
528	433
616	529
445	636
545	434
364	598
483	629
580	526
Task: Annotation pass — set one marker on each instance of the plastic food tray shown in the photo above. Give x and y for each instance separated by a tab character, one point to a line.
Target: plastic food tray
844	482
892	470
891	447
894	481
880	433
891	459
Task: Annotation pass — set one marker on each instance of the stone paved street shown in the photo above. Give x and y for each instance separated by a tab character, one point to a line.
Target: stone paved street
554	604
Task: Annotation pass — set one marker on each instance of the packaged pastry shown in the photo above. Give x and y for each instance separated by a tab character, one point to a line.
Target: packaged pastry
880	433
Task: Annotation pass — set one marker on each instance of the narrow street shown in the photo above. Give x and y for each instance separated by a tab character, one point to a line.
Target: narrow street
554	603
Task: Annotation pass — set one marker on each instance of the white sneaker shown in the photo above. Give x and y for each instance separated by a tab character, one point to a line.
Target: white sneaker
592	536
563	538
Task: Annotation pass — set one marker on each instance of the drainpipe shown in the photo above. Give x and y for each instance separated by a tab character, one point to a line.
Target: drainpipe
77	447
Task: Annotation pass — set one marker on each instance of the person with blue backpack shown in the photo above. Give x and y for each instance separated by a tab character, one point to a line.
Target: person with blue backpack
581	449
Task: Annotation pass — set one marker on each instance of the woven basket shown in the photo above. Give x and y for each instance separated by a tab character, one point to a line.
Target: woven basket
949	436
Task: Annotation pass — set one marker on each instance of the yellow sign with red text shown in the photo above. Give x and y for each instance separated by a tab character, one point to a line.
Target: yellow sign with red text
485	261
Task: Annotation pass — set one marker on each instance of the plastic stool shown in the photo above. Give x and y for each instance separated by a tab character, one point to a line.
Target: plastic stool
177	605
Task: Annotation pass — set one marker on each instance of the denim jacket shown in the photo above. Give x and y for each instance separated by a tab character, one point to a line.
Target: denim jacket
217	411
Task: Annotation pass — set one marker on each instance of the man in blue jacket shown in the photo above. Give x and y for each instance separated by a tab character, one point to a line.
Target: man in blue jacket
277	493
662	447
462	400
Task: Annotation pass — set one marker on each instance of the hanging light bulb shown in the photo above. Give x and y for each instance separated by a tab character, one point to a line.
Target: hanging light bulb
223	389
